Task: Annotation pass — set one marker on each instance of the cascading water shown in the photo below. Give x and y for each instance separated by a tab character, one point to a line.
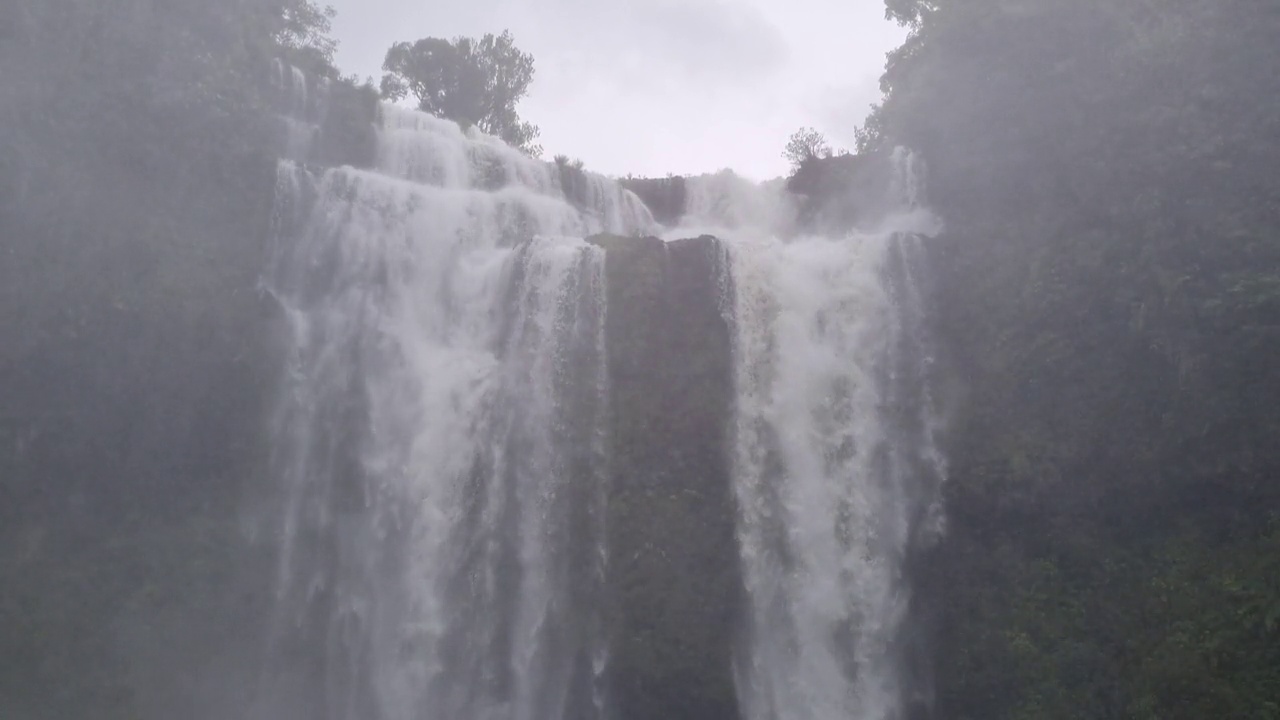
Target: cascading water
836	467
446	441
439	445
301	104
733	208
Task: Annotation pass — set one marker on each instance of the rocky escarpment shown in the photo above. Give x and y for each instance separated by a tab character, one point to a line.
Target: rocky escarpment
674	577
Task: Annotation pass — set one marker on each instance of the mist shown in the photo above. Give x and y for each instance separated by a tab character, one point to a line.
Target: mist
713	360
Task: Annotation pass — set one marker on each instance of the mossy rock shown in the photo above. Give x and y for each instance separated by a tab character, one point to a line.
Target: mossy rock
675	583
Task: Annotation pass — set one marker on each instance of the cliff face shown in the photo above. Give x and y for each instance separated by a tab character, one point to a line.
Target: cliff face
666	198
674	577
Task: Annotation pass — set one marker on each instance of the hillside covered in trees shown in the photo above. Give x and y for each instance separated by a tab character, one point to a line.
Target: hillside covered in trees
137	165
1109	297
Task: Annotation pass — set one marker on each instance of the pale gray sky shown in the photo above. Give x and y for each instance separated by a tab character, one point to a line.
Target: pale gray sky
652	87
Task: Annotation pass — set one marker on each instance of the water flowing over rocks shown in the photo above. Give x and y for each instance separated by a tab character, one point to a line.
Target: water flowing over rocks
541	457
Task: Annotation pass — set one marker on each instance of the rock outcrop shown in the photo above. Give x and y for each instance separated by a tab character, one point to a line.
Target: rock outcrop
674	578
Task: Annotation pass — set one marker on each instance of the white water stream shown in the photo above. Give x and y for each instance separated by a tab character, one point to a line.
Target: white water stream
441	445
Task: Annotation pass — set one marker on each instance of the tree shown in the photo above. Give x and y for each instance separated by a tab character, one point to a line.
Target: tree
910	13
472	82
305	29
870	135
806	144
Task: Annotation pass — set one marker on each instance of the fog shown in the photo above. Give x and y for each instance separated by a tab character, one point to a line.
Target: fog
728	360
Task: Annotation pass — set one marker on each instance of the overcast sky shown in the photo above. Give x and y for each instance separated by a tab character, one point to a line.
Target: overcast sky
651	87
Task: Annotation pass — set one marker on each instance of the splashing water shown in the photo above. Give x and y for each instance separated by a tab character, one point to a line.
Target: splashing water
301	105
439	442
728	206
836	467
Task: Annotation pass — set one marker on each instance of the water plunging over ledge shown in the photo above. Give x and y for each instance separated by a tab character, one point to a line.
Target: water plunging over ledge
530	473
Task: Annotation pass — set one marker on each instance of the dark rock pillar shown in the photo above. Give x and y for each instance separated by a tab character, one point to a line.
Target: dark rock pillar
674	581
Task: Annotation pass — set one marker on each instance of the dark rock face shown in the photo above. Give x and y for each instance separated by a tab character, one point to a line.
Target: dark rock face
666	198
348	133
674	582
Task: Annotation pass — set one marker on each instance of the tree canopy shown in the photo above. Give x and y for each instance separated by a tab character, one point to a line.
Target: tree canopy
804	145
1109	297
472	82
305	29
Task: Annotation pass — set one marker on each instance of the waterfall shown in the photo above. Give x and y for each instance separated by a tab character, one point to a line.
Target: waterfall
439	443
300	106
732	207
836	463
522	468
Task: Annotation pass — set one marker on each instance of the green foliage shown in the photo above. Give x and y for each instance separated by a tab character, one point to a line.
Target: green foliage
869	137
563	161
574	182
472	82
305	29
806	145
138	156
1107	292
908	12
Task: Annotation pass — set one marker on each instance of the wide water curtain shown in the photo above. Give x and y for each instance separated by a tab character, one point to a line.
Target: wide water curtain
440	441
835	462
835	470
533	465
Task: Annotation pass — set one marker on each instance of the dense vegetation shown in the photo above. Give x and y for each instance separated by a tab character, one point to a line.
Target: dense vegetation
471	82
805	146
136	173
1110	293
